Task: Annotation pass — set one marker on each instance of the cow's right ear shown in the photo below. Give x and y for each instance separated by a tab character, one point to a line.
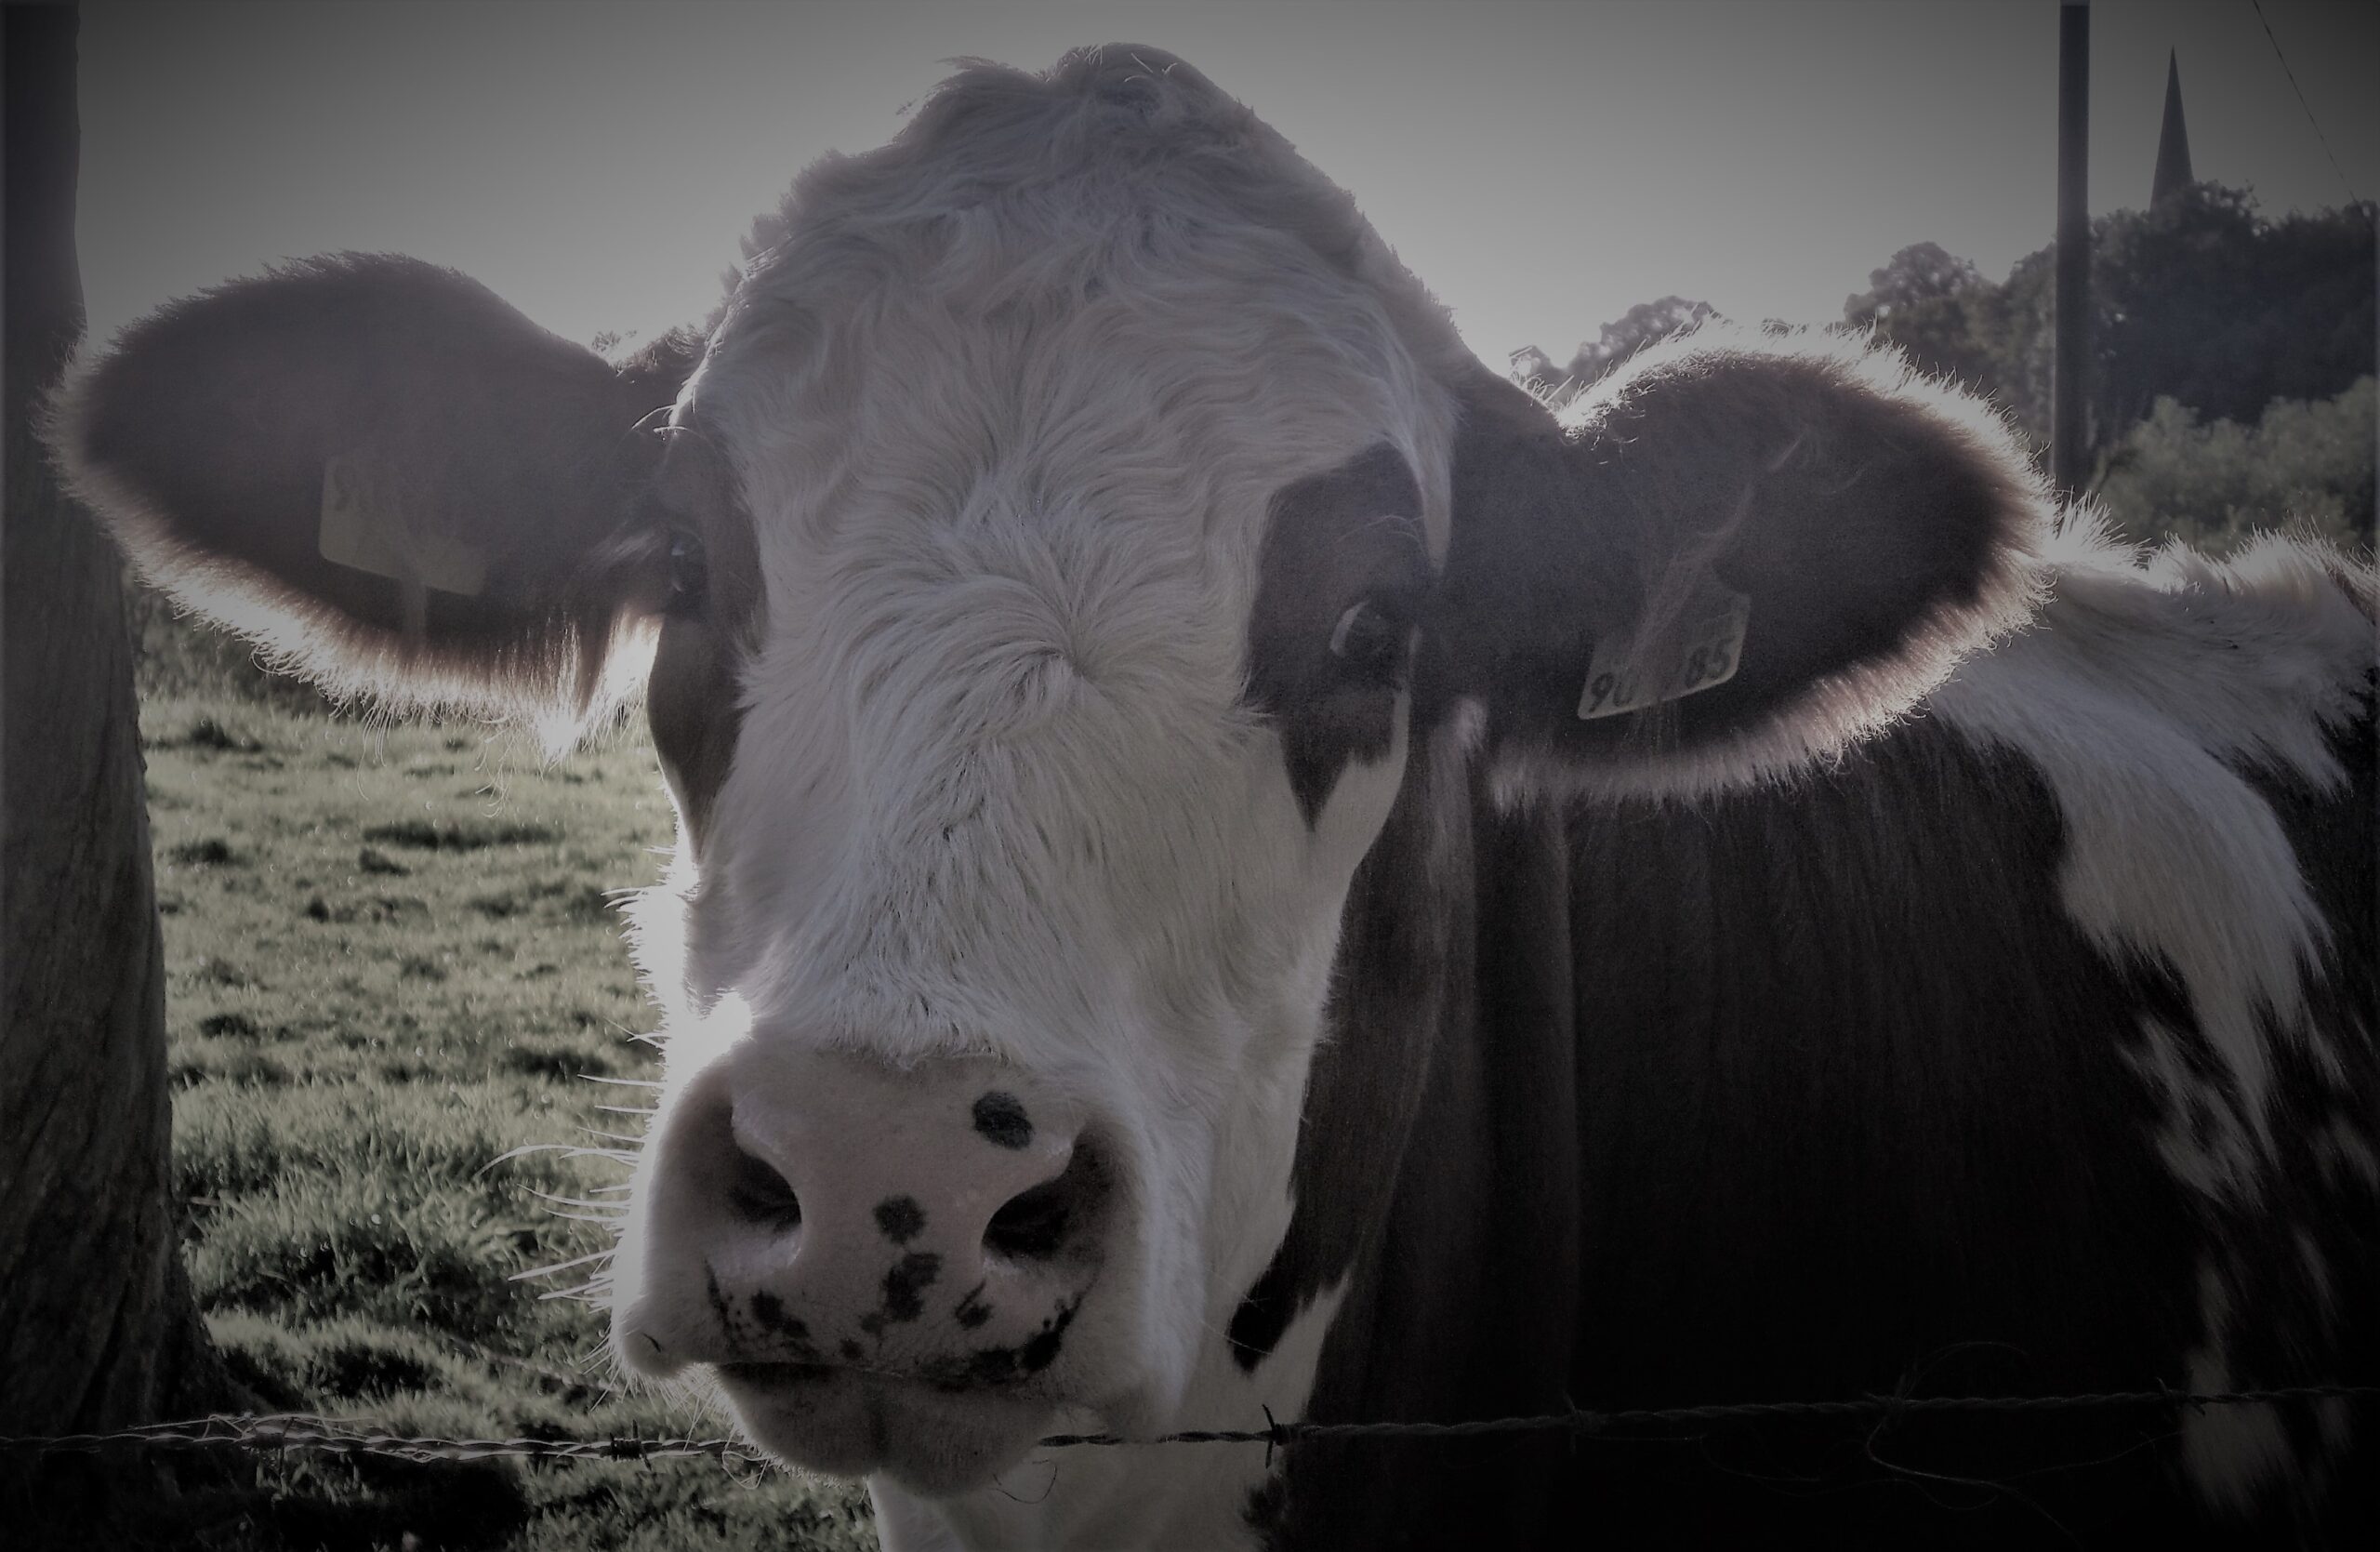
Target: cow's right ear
389	479
1730	560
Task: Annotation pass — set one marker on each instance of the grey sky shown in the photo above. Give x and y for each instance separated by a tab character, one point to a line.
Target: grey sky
1542	165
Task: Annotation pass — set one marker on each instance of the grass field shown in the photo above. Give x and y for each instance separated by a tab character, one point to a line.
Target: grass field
391	959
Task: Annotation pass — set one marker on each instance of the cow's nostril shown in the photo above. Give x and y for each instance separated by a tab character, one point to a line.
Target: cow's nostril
763	1194
1032	1226
1037	1224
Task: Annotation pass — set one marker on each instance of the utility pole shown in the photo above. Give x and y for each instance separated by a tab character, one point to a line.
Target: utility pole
2070	399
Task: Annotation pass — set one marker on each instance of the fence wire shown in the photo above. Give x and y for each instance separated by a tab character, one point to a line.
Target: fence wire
304	1432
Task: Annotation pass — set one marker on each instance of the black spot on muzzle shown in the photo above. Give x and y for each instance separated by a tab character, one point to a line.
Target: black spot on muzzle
900	1219
1001	1119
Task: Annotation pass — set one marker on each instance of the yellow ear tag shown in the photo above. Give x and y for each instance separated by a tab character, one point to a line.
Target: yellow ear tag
384	544
1712	651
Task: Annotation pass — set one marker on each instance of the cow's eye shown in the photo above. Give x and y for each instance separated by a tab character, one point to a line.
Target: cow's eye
1371	640
689	570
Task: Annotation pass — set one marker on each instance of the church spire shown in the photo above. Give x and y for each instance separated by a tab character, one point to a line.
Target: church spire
2173	142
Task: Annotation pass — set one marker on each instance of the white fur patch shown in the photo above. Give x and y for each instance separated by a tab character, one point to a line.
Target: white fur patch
2136	695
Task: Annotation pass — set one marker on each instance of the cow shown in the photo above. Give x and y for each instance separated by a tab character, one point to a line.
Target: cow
1233	865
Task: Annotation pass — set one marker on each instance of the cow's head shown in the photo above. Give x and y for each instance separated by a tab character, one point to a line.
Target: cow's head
1049	570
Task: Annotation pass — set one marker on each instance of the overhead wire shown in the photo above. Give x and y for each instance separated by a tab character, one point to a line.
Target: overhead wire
2325	140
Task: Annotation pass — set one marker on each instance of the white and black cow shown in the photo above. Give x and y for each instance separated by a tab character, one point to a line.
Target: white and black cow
1233	861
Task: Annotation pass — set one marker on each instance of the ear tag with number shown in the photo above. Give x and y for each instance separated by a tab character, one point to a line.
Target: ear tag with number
355	534
1711	651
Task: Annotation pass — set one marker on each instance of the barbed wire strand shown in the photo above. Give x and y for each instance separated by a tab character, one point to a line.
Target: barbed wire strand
305	1432
2325	140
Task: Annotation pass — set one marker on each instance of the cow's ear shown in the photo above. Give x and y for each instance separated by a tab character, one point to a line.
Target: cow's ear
1728	561
392	481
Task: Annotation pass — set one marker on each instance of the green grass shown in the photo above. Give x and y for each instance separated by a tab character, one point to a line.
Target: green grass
391	954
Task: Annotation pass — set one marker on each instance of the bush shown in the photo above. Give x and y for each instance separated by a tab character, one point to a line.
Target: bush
2302	466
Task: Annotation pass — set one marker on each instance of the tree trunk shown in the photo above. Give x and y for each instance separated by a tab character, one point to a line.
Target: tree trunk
97	1325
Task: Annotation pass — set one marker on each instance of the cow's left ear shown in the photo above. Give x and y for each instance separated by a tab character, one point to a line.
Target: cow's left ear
1728	561
389	480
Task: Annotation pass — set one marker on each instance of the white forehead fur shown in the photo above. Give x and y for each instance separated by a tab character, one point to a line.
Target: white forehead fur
1114	252
1007	401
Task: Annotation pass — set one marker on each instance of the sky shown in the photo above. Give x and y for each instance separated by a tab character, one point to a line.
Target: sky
1542	165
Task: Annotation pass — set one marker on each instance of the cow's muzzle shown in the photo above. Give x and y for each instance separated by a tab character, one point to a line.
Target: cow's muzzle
859	1249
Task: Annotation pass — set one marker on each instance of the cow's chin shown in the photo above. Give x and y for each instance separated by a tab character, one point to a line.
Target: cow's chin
845	1423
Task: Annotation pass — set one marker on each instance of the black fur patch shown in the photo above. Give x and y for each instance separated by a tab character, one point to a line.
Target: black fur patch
725	1312
1001	1118
1264	1314
1347	539
2327	1092
900	1219
769	1313
1042	1350
993	1366
906	1285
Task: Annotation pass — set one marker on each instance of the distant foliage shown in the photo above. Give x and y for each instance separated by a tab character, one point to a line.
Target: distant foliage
1919	274
1928	302
2232	358
2301	465
1643	324
2199	300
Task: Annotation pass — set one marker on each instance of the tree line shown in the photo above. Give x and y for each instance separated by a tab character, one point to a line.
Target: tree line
2231	378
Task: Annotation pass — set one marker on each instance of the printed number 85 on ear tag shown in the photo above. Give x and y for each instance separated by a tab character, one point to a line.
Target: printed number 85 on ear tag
1711	651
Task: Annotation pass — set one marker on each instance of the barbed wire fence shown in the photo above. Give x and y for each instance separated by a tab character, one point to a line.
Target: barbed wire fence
285	1433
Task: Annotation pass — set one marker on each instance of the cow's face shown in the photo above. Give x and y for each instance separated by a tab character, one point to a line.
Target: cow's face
1046	678
1073	527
